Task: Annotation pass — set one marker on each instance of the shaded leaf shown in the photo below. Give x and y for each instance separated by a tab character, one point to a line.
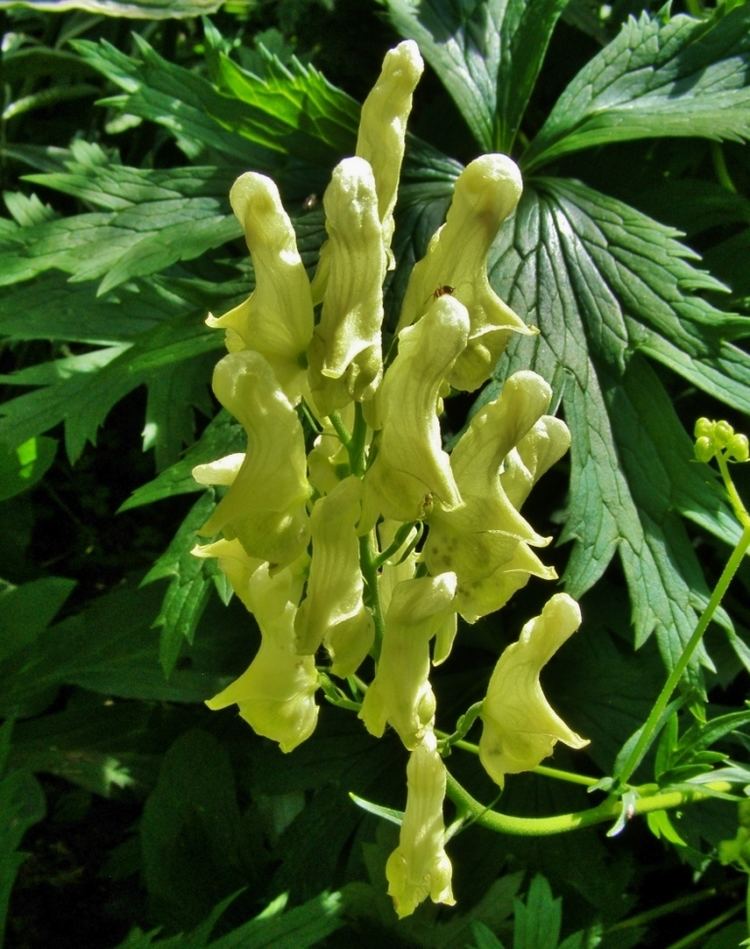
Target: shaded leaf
222	436
190	583
108	647
21	805
137	9
28	610
538	920
22	466
190	831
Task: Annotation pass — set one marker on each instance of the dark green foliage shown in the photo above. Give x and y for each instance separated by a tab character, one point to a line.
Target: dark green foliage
119	141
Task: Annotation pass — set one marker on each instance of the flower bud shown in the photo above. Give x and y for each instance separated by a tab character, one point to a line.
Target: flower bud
346	359
382	128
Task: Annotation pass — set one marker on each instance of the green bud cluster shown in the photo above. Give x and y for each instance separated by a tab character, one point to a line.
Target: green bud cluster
365	544
719	438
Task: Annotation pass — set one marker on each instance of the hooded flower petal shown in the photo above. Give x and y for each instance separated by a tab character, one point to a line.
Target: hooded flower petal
400	693
345	356
486	192
520	727
277	318
542	446
276	694
411	470
419	867
485	540
333	611
234	563
382	126
265	505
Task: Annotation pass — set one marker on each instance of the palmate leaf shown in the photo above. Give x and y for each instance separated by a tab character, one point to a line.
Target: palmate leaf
597	289
249	119
488	55
660	76
153	219
83	400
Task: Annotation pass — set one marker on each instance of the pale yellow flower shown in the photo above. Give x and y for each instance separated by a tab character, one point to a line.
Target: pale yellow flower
345	356
411	472
486	192
419	867
333	611
276	694
264	507
276	320
485	540
400	694
520	727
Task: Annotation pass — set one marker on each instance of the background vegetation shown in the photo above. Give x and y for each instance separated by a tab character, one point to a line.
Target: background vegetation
128	812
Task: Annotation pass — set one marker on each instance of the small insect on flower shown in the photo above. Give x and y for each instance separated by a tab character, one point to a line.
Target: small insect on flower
310	202
442	291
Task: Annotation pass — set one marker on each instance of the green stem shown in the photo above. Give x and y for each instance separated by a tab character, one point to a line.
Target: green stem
358	447
341	430
570	776
735	500
666	909
649	729
608	810
368	562
693	938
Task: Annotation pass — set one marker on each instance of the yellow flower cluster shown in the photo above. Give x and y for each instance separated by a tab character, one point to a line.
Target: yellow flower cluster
368	539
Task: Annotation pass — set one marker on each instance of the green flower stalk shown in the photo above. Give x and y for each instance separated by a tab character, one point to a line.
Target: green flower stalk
349	532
